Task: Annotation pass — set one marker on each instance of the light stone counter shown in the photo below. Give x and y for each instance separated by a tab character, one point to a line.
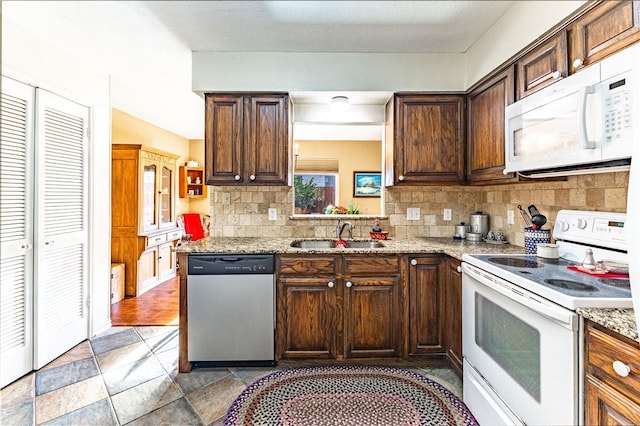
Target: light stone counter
621	321
283	245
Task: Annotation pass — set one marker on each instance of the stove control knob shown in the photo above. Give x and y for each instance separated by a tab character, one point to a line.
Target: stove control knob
564	226
581	223
621	368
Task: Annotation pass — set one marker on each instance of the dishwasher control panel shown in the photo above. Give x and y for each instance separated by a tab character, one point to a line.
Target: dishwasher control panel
215	264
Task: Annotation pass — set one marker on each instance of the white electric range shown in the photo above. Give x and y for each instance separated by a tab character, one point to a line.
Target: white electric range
521	335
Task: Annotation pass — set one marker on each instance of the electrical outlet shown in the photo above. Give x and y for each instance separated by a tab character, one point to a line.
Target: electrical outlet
226	198
447	214
510	217
273	213
413	213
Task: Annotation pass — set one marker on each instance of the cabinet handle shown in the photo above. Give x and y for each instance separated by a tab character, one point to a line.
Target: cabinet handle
349	284
401	178
48	243
330	284
556	75
621	368
236	177
26	246
578	63
252	177
414	262
159	257
459	269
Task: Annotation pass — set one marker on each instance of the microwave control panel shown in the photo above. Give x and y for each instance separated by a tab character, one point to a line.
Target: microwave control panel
617	107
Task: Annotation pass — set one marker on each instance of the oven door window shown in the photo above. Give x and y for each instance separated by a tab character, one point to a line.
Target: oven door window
510	342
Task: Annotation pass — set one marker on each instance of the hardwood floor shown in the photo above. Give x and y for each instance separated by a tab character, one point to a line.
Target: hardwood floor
158	306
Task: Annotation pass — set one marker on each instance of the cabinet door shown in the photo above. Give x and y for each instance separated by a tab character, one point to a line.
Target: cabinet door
150	170
307	318
223	134
486	147
605	29
166	261
372	319
453	313
605	406
166	199
543	66
425	312
428	139
266	132
147	270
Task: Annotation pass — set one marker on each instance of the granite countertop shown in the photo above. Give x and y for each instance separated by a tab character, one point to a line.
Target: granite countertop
619	320
449	246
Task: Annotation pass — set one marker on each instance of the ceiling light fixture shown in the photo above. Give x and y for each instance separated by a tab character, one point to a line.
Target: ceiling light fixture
340	103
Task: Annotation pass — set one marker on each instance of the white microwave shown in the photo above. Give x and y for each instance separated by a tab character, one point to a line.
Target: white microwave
584	123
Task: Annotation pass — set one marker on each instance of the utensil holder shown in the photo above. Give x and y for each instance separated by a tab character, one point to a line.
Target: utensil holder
533	237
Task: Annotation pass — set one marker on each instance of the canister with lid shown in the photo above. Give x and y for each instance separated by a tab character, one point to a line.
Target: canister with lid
479	223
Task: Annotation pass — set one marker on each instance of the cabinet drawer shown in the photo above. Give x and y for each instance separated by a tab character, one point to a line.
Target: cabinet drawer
603	350
387	264
306	264
174	235
156	239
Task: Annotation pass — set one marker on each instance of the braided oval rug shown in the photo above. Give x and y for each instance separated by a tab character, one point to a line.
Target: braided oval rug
347	395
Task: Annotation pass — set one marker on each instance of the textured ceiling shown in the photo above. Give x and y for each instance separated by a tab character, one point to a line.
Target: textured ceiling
146	46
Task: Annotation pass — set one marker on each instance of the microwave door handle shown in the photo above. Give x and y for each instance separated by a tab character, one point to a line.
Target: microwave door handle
583	137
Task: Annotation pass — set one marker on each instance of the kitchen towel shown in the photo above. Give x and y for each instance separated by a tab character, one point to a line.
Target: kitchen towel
193	226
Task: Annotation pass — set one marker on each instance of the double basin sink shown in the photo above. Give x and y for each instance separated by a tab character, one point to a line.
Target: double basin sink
330	244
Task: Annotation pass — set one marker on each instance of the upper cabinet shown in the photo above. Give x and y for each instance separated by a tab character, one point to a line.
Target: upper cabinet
603	30
247	139
428	140
157	187
543	66
485	130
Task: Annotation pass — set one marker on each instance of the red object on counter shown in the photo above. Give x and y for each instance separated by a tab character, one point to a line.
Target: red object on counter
193	226
597	272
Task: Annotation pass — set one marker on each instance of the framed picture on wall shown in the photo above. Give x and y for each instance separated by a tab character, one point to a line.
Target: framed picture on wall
367	184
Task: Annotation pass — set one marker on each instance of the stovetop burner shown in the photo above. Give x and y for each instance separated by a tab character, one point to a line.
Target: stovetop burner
570	285
516	262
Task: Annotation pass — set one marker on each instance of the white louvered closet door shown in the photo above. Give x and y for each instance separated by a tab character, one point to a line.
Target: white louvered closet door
61	290
16	230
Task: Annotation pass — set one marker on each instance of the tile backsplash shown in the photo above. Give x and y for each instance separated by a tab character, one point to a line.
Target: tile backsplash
246	213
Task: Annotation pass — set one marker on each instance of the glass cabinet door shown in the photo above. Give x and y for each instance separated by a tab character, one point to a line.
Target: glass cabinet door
149	199
166	196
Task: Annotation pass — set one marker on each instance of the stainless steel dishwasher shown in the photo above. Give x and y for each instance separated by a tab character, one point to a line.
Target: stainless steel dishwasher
231	310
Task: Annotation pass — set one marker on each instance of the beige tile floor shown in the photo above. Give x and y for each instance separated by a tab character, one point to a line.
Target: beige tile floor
129	376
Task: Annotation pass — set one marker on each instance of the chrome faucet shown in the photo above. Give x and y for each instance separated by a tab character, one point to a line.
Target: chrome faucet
340	228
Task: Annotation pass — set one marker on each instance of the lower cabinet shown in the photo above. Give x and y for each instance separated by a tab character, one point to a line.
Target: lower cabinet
338	306
453	313
612	378
435	308
426	308
157	263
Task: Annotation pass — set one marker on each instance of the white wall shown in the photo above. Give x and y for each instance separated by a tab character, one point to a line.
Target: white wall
523	23
259	71
30	59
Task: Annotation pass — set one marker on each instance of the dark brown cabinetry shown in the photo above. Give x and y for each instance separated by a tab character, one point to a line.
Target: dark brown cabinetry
485	143
611	398
543	66
247	139
428	140
426	305
453	313
603	30
342	306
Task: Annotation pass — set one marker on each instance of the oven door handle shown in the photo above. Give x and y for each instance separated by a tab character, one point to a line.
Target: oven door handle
561	315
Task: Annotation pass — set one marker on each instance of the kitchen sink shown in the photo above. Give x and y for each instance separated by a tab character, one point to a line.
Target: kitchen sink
324	244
